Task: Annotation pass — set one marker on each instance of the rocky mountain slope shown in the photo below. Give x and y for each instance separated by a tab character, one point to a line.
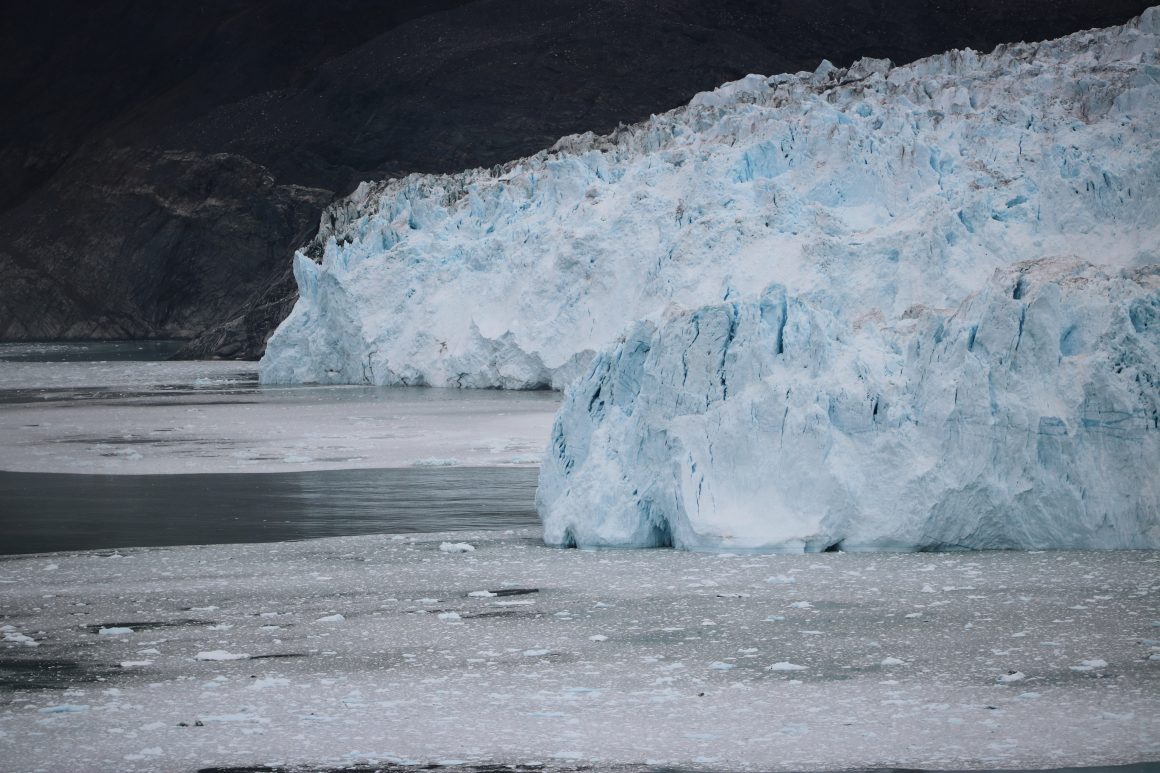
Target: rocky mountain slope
159	163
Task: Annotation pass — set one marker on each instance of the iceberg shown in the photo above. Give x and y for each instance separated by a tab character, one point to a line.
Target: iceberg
1028	417
867	190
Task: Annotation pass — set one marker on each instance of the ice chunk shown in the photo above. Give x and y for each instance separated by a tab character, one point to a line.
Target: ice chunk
65	708
15	637
456	547
786	666
220	655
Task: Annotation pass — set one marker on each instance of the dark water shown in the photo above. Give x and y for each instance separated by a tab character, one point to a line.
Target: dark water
42	512
89	351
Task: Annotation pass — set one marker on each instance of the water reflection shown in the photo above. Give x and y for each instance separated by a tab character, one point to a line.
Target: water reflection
52	511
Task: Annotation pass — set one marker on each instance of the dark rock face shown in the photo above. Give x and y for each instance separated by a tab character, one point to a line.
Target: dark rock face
160	162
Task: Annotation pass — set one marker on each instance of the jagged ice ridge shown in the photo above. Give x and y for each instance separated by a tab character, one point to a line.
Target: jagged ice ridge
868	189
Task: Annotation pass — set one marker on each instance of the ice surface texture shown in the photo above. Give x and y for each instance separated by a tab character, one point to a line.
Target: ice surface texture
867	189
1029	417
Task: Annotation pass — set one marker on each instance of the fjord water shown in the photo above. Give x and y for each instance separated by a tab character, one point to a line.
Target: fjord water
106	445
45	512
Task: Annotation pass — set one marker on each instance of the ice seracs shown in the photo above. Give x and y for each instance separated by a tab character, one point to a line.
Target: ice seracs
864	190
1028	417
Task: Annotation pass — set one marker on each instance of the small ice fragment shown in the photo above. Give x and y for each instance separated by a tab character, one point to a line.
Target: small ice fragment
482	594
330	619
1013	676
780	579
913	615
15	637
893	662
220	655
535	653
718	665
115	631
451	617
801	605
786	666
1090	665
456	547
598	637
135	663
928	588
433	461
775	618
65	708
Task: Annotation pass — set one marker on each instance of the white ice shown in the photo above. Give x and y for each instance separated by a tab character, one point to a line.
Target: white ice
869	191
1029	417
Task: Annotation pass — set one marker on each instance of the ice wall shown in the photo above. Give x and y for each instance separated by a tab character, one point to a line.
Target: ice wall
1027	418
872	190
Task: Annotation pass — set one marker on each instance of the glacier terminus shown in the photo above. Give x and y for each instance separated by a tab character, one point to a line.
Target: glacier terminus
859	308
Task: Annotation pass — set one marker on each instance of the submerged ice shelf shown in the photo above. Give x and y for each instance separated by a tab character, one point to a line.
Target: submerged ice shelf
390	650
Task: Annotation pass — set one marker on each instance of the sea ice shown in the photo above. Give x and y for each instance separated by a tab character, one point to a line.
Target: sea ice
630	663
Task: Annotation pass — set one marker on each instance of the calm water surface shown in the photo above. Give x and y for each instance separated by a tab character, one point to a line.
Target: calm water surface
49	511
42	512
89	351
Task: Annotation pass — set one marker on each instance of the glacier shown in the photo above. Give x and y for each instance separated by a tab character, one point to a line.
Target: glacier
869	189
863	308
1029	417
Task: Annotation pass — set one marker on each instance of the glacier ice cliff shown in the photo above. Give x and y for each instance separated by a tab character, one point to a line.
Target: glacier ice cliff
864	190
872	307
1028	417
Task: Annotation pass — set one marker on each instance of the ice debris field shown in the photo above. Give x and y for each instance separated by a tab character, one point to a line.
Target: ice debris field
875	308
417	650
